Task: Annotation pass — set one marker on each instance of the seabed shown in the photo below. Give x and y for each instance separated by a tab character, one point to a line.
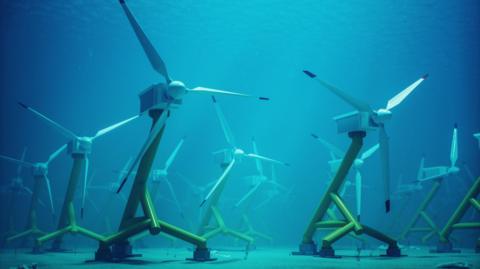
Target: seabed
277	258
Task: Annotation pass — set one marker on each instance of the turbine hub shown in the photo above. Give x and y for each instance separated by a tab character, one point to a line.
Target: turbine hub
176	89
358	163
239	152
453	170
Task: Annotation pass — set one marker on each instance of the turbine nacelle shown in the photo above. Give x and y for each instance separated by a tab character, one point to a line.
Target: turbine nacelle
40	169
80	146
382	115
159	173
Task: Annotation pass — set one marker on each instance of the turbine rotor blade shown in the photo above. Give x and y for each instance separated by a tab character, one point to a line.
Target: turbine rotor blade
124	170
223	122
19	168
219	181
258	163
158	126
454	148
113	127
174	196
19	162
469	172
152	55
173	155
84	193
263	203
420	169
256	156
64	131
50	197
357	104
369	152
223	92
397	99
248	194
56	153
358	192
333	149
27	190
385	162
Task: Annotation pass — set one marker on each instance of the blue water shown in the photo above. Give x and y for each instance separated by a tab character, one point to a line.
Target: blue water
80	64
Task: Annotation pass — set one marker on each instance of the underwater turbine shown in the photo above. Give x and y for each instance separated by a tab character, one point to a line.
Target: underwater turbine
78	148
365	118
230	157
234	153
337	155
40	176
470	199
437	175
157	100
259	180
356	124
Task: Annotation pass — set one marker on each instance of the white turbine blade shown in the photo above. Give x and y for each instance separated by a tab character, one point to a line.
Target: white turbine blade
369	152
432	177
6	158
358	192
152	55
278	185
158	126
454	148
113	127
397	99
469	172
263	158
357	104
84	193
56	153
385	162
222	92
220	151
248	194
90	180
420	169
274	173
224	124
258	163
124	169
27	190
344	188
173	155
94	206
174	196
19	168
186	180
219	181
263	203
64	131
50	197
333	150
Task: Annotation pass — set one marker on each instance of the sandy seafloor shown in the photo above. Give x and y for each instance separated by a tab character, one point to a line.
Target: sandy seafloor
260	258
